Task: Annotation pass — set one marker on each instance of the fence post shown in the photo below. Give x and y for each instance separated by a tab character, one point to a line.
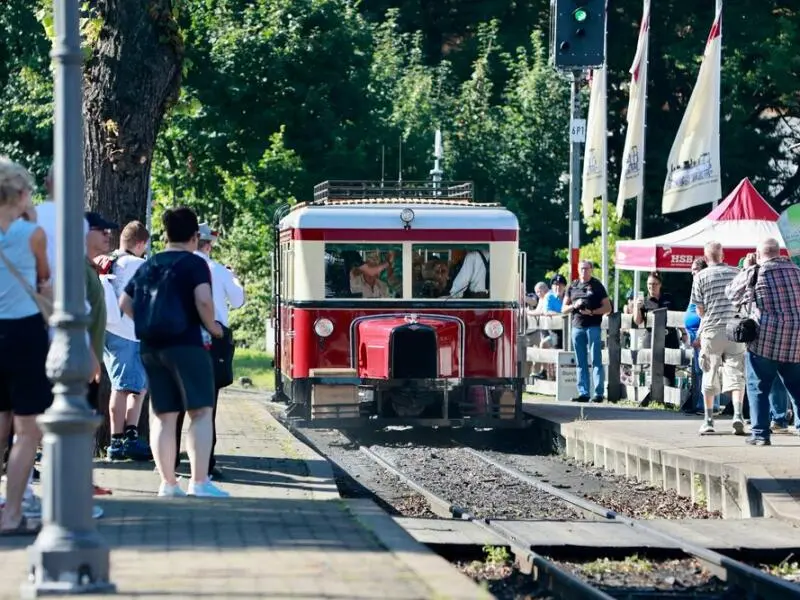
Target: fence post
614	349
657	339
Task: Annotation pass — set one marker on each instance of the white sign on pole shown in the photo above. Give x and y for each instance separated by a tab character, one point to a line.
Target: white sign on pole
566	377
577	131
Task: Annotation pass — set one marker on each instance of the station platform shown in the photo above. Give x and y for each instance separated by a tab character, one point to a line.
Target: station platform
664	447
284	533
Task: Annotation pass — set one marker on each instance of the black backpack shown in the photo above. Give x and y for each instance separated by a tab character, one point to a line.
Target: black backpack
158	310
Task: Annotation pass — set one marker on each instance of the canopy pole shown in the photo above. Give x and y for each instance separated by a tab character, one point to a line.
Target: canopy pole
718	9
640	197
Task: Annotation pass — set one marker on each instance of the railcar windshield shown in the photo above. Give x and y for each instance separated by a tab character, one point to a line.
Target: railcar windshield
363	271
450	270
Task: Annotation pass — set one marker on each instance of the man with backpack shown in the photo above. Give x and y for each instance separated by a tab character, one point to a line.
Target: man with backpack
170	301
121	351
227	290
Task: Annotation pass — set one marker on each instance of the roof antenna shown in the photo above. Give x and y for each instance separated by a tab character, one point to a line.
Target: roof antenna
383	164
438	152
400	165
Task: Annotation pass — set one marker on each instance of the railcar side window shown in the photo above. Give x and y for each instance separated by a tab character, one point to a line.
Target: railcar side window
363	271
450	270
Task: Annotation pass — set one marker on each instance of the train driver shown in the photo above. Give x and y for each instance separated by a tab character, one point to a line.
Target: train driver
472	280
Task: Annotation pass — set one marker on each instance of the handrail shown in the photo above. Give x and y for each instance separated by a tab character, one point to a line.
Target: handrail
615	356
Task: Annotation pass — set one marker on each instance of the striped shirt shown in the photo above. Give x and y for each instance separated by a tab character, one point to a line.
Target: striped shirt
708	293
777	310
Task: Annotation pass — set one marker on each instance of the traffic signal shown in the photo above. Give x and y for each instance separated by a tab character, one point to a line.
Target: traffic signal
577	33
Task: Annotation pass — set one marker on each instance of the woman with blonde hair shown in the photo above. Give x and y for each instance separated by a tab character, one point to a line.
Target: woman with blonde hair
24	388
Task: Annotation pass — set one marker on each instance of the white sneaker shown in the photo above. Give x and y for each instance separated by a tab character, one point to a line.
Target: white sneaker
707	427
738	426
205	490
170	491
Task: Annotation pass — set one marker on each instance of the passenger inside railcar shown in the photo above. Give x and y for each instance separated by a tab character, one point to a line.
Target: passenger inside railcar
472	280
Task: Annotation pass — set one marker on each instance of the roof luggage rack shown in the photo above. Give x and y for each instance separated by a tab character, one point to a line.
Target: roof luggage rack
446	192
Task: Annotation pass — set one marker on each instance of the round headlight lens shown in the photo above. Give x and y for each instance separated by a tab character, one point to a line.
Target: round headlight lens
493	329
406	215
323	327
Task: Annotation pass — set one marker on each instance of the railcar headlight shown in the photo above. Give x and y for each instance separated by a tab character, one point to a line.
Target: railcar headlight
323	327
493	329
406	215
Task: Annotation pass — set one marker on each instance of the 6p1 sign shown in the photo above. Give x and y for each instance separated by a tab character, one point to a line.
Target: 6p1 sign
577	131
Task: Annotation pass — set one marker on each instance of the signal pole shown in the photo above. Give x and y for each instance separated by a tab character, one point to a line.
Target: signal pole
577	135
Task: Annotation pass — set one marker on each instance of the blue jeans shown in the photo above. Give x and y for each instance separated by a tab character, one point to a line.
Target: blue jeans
761	375
582	338
779	404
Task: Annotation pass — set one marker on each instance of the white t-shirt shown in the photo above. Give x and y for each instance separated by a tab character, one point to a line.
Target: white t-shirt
225	289
124	269
46	219
472	275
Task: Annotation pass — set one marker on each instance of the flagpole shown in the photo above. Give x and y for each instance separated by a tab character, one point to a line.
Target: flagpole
640	197
718	10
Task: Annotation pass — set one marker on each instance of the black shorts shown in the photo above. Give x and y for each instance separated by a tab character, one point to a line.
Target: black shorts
180	378
25	389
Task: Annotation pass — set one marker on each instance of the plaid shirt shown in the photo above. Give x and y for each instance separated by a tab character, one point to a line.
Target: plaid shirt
777	308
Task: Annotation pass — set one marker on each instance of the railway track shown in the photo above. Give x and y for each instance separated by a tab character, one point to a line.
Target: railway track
752	582
749	581
547	574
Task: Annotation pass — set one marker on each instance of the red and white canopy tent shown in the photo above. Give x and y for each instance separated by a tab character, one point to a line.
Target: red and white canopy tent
739	223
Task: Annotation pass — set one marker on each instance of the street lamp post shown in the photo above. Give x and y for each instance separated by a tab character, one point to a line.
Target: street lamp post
68	556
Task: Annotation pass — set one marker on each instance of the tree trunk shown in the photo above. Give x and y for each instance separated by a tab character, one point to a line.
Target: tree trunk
131	79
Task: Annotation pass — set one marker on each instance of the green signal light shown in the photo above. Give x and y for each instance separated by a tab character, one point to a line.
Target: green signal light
580	15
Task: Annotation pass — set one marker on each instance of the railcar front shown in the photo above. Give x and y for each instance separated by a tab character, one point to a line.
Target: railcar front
400	313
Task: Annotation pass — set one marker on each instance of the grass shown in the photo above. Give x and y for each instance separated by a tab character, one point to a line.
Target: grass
255	364
632	564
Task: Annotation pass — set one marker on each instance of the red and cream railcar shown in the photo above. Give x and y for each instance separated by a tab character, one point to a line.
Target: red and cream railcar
399	306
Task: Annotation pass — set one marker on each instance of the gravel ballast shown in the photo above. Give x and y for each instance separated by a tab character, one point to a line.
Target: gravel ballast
475	486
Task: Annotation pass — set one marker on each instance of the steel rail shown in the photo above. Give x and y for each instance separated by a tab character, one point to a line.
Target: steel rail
747	578
550	576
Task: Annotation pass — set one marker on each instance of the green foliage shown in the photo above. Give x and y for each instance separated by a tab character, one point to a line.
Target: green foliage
281	94
593	250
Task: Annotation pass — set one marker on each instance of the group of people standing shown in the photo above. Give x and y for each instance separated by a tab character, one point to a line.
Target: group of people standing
764	370
158	324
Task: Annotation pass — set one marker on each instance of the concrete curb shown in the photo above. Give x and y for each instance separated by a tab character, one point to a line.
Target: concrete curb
438	574
736	490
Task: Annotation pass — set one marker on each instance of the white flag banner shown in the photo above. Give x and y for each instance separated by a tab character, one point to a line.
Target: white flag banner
693	168
594	158
631	181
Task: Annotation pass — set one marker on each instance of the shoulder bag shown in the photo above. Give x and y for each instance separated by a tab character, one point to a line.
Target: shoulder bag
743	329
44	303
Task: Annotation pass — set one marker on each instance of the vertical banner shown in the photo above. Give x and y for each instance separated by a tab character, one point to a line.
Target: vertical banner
631	181
594	158
789	226
693	167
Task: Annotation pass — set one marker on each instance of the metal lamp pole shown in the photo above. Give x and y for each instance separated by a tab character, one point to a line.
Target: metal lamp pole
68	556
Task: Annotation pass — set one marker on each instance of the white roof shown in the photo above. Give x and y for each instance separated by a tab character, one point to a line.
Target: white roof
426	216
731	234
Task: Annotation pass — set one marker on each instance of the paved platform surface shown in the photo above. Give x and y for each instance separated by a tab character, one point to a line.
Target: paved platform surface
285	533
665	447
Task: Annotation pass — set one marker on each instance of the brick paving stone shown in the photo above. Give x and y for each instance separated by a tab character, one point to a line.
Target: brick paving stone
285	533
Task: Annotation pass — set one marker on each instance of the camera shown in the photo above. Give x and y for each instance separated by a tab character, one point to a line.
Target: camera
579	305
